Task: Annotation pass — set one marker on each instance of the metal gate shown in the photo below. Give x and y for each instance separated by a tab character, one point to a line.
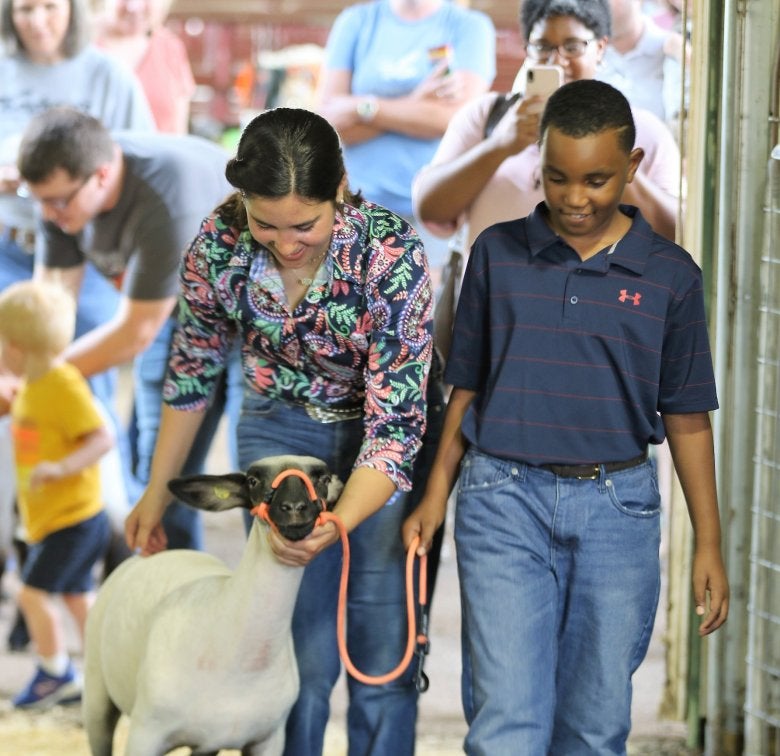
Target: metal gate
762	700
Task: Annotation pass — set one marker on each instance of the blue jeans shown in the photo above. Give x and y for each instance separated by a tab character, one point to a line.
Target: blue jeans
183	524
381	719
560	580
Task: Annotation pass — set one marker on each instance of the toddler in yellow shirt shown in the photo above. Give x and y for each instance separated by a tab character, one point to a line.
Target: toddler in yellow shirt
59	435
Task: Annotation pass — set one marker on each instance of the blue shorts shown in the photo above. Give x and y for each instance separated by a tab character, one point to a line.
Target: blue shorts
64	560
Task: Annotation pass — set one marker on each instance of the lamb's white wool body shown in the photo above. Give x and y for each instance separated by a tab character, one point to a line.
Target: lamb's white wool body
196	654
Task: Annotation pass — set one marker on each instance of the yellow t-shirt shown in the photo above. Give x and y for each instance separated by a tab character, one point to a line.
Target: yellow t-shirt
49	416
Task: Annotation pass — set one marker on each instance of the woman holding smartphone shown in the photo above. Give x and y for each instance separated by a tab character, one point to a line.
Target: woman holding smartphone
482	180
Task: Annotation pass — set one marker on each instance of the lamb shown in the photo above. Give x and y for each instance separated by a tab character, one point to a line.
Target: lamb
194	654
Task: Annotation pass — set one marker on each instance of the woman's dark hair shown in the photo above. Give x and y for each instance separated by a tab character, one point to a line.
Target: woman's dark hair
595	14
287	151
76	36
581	108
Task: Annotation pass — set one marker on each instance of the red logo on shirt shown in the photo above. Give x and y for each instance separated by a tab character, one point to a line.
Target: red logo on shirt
624	295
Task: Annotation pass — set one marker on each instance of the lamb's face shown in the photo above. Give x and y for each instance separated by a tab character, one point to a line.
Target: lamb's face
292	510
290	506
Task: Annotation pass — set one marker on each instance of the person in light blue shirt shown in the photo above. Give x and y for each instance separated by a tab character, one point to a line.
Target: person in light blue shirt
395	72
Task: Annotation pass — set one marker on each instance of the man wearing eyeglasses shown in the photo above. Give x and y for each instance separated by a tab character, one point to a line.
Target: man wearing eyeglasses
129	203
479	179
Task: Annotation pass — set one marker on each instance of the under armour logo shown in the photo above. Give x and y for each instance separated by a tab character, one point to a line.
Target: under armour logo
624	295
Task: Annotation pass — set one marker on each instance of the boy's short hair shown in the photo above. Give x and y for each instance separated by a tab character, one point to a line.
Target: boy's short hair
63	137
596	15
37	316
585	107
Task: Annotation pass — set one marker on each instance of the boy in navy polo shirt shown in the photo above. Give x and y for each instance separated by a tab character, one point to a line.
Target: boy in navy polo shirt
580	339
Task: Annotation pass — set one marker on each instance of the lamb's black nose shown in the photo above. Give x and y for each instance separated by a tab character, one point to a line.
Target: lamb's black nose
291	509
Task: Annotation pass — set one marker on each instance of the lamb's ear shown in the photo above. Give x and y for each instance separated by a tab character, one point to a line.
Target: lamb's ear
335	487
214	493
328	486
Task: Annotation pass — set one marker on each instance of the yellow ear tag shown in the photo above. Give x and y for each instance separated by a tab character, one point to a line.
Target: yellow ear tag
221	493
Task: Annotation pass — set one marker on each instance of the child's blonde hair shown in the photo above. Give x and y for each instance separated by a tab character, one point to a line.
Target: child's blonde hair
37	316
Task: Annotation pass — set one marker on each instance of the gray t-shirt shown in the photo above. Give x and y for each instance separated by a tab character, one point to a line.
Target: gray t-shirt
171	183
90	81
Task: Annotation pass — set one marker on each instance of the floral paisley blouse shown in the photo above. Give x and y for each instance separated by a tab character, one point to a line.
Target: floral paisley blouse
361	337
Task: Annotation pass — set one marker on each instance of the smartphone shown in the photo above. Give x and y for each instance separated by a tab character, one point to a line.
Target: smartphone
540	80
440	53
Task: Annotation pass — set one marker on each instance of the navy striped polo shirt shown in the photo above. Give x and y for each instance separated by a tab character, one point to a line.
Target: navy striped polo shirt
572	361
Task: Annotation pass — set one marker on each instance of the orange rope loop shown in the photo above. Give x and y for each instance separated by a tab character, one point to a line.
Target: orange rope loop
413	637
298	474
261	510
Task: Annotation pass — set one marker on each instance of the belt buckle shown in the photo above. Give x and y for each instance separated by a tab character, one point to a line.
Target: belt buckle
593	476
326	415
320	414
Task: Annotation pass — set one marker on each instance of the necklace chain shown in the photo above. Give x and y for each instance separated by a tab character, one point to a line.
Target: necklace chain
308	281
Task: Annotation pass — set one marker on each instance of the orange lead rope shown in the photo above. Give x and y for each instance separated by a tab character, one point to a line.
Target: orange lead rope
415	640
418	631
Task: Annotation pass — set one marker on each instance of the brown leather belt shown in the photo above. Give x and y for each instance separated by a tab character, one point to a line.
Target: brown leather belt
591	472
22	237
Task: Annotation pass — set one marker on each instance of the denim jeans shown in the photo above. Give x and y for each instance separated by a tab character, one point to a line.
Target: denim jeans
560	580
183	524
381	719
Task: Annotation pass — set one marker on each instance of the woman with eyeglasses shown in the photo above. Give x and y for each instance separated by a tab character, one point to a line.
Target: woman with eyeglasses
482	179
47	60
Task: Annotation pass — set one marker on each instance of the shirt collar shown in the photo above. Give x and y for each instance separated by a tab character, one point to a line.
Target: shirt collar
631	252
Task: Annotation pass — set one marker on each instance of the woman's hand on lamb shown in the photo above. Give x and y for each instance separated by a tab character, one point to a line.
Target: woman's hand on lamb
300	553
144	532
